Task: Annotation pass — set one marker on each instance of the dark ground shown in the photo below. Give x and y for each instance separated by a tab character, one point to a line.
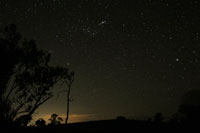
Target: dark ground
113	126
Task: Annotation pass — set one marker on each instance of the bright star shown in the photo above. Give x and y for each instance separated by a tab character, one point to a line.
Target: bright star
102	22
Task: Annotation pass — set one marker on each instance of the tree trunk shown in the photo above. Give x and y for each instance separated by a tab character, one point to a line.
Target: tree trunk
68	100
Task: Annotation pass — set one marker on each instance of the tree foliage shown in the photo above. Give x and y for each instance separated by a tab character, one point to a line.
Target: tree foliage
40	122
158	117
27	78
55	119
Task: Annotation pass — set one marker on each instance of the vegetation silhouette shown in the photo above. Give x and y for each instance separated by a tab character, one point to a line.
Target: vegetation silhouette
40	122
27	78
69	99
189	110
158	117
121	118
55	120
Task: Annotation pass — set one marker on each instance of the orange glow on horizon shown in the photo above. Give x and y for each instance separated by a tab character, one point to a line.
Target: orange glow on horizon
73	118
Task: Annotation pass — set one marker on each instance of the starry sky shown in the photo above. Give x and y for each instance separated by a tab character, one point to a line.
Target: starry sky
131	58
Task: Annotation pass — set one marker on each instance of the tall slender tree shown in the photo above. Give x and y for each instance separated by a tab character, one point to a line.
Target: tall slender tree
69	80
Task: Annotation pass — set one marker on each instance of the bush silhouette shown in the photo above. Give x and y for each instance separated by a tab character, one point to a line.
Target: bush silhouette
55	120
158	117
121	118
40	122
190	108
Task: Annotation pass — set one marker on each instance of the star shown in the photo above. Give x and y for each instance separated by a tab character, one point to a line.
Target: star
102	22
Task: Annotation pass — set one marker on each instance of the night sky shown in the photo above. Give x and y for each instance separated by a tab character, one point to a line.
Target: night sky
131	58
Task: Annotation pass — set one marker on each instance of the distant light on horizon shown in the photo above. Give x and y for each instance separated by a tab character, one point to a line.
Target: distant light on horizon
73	118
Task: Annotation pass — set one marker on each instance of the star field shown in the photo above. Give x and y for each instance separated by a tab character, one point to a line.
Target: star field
131	58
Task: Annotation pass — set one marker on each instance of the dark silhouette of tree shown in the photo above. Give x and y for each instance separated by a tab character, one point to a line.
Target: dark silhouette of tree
30	77
191	114
190	108
174	119
40	122
9	56
55	120
69	80
158	117
121	118
60	120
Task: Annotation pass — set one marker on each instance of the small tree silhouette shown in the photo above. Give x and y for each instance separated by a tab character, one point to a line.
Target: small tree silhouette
55	120
121	118
158	117
40	122
59	120
174	119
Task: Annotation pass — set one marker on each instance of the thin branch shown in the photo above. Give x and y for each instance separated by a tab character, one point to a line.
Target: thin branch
14	83
44	101
22	112
11	90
